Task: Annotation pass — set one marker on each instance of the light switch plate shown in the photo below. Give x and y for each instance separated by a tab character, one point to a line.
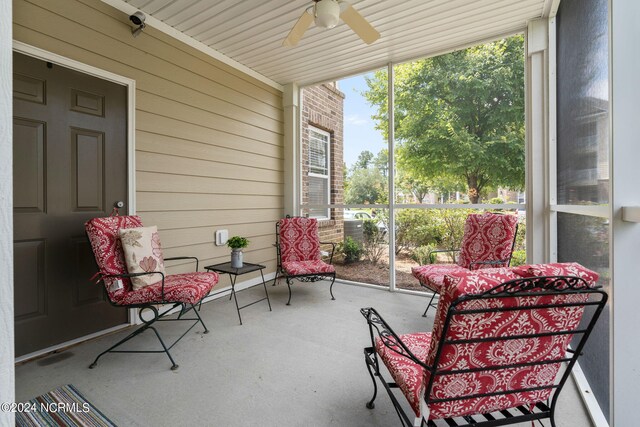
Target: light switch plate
221	237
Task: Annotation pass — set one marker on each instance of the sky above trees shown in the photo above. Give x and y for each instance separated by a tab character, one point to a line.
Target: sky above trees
360	133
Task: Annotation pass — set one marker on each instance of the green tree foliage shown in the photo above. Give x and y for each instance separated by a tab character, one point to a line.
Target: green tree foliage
409	183
460	116
366	186
365	158
381	162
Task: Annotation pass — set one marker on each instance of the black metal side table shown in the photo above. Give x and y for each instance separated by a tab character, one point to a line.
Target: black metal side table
225	268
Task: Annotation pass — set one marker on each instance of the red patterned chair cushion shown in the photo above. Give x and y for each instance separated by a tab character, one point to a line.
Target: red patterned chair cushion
407	374
188	288
483	355
432	275
298	268
558	269
487	237
299	239
107	249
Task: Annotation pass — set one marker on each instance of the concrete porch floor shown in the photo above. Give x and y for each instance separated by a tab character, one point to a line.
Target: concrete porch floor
299	365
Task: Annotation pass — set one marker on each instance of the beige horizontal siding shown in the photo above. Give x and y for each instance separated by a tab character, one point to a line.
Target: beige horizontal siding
162	125
163	182
209	139
155	162
222	218
205	235
171	108
212	150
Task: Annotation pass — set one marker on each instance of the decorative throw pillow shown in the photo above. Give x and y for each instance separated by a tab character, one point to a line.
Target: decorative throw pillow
142	254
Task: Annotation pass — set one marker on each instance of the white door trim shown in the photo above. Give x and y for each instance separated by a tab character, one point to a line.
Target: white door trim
130	84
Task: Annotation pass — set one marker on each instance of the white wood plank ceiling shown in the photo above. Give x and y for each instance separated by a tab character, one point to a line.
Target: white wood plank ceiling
251	31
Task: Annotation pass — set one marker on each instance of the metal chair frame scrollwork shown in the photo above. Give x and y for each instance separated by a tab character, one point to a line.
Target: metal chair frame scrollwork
305	278
524	287
158	314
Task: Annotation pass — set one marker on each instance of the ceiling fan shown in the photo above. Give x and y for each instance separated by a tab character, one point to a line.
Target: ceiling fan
327	14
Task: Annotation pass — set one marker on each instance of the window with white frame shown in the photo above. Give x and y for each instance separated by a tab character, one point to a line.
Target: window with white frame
319	172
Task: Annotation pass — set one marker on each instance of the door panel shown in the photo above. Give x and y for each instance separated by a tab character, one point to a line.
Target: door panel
70	165
28	88
87	148
29	165
29	271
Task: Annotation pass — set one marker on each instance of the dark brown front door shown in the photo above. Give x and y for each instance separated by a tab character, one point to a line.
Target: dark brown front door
69	165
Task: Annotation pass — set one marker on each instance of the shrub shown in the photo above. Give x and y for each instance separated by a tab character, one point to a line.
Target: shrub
417	227
373	247
518	258
351	250
454	220
421	255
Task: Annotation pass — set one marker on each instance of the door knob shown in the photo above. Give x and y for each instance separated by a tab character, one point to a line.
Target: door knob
119	204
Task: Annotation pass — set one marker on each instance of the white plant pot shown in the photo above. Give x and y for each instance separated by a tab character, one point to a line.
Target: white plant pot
236	258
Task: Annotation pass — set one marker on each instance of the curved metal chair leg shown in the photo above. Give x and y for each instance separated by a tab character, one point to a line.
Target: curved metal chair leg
333	280
433	295
289	287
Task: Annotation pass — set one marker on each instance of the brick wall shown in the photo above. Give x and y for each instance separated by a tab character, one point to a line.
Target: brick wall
322	107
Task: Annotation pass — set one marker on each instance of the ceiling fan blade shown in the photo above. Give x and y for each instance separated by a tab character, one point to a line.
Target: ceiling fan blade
358	24
298	30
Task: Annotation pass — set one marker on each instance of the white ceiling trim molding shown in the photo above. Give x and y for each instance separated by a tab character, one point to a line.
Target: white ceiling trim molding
167	29
550	8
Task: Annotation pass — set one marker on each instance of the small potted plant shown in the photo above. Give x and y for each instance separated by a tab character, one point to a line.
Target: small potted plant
237	243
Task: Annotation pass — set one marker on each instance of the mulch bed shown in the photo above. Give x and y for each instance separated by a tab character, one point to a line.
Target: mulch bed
377	274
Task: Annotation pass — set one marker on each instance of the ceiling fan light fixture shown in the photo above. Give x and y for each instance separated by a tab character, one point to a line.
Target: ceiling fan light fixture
327	13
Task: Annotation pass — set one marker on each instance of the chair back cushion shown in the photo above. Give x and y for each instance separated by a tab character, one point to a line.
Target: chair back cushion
499	353
558	269
487	237
298	239
107	249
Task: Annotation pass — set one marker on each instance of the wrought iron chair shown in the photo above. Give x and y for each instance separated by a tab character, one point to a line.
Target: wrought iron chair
495	350
177	290
299	256
488	242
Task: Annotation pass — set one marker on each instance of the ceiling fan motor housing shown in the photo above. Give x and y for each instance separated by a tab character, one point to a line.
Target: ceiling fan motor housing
327	13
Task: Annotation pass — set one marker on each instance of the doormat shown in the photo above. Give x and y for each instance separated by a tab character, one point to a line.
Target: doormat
64	407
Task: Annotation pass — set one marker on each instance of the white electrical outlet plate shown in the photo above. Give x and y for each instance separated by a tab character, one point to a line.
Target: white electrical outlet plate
221	237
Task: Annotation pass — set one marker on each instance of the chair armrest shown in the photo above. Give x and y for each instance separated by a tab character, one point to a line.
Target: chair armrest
129	275
442	250
388	337
497	263
175	258
333	249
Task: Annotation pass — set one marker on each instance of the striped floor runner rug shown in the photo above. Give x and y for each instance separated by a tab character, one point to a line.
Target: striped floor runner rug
64	406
